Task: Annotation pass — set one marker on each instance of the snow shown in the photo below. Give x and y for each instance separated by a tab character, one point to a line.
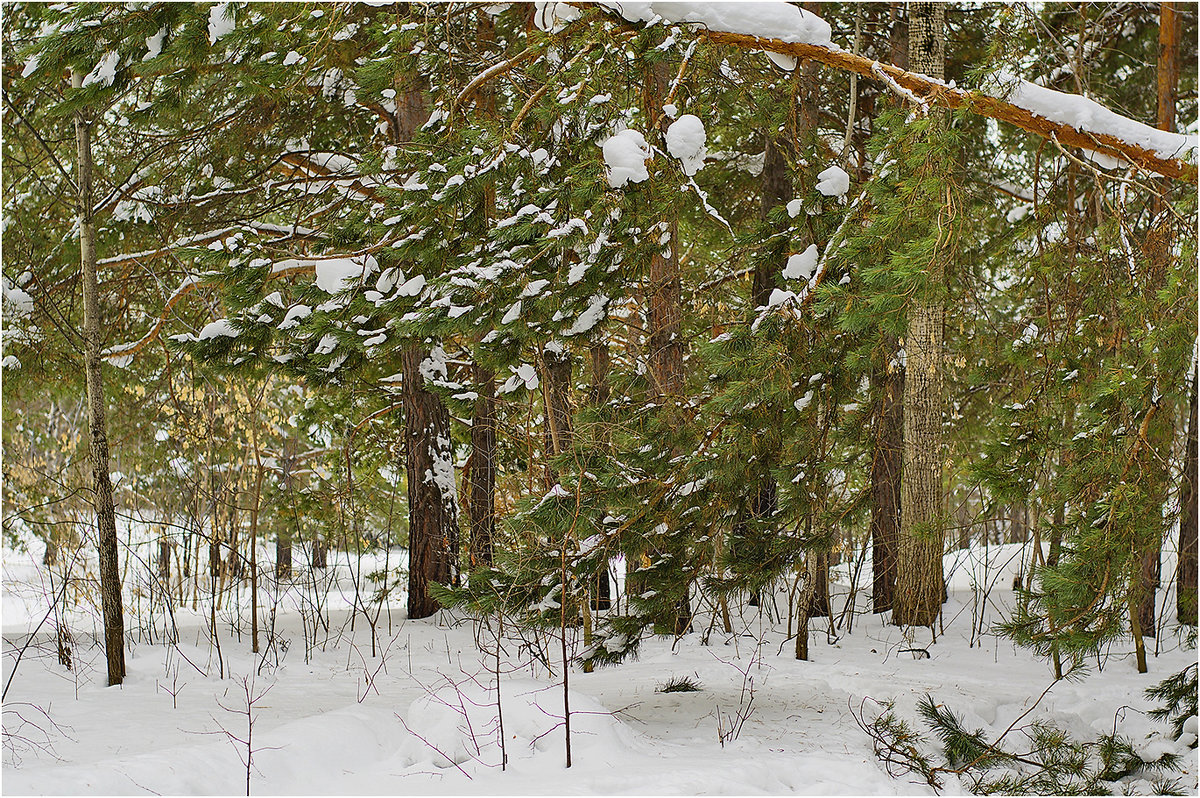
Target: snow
416	713
833	182
221	328
326	345
802	265
220	22
1087	115
293	317
105	70
590	317
513	313
553	17
781	60
685	140
625	155
794	207
338	274
154	43
767	20
17	303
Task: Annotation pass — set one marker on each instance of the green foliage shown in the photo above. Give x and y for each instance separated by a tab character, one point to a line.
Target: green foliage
1048	761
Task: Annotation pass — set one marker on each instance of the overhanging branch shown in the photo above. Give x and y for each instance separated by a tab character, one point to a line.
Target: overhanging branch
985	105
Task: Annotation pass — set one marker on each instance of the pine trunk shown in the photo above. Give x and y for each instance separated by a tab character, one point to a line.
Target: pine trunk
432	506
102	492
919	579
665	311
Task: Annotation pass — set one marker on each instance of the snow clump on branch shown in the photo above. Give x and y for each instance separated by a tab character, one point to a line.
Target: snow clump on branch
768	20
625	155
833	182
685	141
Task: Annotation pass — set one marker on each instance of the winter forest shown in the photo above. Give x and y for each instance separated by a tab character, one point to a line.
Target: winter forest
609	398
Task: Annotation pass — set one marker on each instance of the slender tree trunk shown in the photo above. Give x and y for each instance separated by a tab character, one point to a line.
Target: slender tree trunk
481	477
102	493
432	505
164	560
254	510
888	454
919	579
665	308
1185	582
555	363
819	603
885	480
1168	89
598	396
283	553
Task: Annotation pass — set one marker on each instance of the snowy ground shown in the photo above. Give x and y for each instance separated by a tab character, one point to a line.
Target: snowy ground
419	716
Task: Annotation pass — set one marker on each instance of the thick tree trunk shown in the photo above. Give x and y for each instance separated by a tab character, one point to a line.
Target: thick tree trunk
102	493
1185	583
481	476
919	579
432	504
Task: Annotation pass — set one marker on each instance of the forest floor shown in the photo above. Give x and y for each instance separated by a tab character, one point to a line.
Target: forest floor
418	716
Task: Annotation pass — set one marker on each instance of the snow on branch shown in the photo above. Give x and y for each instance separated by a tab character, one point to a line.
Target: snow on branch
1074	120
332	273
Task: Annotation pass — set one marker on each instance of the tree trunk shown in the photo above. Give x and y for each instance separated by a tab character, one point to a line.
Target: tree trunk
481	477
665	311
818	606
885	480
164	560
283	554
1168	85
1185	582
555	363
432	504
776	189
888	455
919	578
102	493
598	395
